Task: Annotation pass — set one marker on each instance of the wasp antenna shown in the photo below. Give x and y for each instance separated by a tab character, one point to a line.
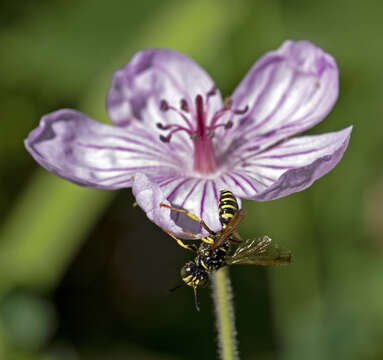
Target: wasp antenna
196	298
176	287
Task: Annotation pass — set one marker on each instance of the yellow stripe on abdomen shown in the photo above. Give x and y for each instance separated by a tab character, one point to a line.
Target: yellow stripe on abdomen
227	206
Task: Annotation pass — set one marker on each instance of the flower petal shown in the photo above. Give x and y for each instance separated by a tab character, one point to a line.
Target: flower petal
198	196
288	167
288	91
149	196
89	153
154	75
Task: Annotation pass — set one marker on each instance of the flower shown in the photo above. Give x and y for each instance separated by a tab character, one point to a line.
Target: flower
175	141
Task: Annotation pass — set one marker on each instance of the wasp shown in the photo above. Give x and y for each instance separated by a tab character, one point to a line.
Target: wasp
215	252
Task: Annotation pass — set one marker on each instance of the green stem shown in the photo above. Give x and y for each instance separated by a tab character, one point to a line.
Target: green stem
223	301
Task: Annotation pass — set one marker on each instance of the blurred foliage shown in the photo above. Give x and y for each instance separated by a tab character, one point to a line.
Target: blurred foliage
83	275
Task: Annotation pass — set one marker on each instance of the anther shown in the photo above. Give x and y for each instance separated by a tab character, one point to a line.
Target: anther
228	125
164	106
212	92
163	127
165	139
184	105
241	111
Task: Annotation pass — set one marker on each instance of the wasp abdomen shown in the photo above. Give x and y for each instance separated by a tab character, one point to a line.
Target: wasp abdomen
227	206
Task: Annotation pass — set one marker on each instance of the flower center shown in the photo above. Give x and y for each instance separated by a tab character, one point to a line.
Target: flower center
194	117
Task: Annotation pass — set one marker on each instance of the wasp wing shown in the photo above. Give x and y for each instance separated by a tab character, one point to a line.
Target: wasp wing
259	251
230	228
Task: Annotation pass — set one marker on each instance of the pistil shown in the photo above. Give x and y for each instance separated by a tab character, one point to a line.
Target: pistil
204	157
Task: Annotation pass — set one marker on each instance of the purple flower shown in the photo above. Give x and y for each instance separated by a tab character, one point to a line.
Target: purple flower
175	141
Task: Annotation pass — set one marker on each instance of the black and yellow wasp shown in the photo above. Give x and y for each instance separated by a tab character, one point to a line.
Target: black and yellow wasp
214	250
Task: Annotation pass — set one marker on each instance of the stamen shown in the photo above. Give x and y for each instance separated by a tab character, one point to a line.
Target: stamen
167	127
165	139
177	128
228	125
217	116
162	126
228	103
184	105
164	106
212	92
241	111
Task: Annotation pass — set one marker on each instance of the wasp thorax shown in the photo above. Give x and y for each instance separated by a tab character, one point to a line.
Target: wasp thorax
194	275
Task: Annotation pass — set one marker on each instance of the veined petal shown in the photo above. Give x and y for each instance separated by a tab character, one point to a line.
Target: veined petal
288	167
89	153
149	197
155	75
288	91
198	196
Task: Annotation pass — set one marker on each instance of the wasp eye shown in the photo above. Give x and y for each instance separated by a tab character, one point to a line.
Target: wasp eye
188	269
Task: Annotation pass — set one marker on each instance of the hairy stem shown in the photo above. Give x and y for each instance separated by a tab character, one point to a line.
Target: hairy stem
223	301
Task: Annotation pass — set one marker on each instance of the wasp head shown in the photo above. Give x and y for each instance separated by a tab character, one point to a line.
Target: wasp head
194	275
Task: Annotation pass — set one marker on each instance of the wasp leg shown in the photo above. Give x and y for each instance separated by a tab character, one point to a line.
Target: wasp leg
191	216
235	241
207	240
238	239
181	243
194	236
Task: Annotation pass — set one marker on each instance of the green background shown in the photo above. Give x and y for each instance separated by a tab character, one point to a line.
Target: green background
83	275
